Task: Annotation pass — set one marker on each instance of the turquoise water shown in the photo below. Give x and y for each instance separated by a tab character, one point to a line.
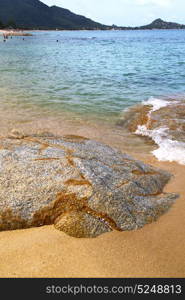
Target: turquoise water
92	72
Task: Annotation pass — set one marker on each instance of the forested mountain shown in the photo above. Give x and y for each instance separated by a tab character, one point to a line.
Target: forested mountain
35	14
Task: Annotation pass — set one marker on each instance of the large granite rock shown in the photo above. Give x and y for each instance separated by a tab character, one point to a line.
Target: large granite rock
83	187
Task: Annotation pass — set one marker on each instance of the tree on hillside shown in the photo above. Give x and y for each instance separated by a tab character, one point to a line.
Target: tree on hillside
1	24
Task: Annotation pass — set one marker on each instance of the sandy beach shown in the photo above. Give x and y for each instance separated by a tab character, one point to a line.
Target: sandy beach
157	250
43	90
9	32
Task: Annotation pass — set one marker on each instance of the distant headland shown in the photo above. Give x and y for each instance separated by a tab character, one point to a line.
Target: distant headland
35	15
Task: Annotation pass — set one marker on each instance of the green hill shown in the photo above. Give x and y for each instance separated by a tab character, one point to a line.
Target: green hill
35	14
160	24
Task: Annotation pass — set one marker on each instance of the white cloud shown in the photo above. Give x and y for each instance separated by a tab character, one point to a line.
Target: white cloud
155	2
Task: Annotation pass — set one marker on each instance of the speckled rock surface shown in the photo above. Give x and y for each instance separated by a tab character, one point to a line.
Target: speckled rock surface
81	186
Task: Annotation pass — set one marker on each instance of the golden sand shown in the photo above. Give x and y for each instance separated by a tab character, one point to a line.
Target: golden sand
157	250
8	33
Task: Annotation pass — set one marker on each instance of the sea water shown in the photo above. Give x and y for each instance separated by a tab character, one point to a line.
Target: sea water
95	75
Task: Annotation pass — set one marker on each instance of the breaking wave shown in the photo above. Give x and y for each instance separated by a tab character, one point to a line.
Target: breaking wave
168	129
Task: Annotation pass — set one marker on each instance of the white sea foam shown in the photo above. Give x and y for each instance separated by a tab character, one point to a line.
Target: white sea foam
169	150
156	103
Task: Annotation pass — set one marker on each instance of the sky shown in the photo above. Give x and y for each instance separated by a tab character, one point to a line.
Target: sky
125	12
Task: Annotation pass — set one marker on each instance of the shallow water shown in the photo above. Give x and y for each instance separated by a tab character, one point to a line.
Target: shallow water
84	82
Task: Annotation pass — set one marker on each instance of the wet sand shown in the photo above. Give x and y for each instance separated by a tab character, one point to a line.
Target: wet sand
157	250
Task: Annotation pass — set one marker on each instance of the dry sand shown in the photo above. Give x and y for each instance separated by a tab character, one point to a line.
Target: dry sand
157	250
9	32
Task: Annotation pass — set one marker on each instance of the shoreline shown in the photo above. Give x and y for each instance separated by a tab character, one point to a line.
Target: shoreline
157	250
77	30
17	32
